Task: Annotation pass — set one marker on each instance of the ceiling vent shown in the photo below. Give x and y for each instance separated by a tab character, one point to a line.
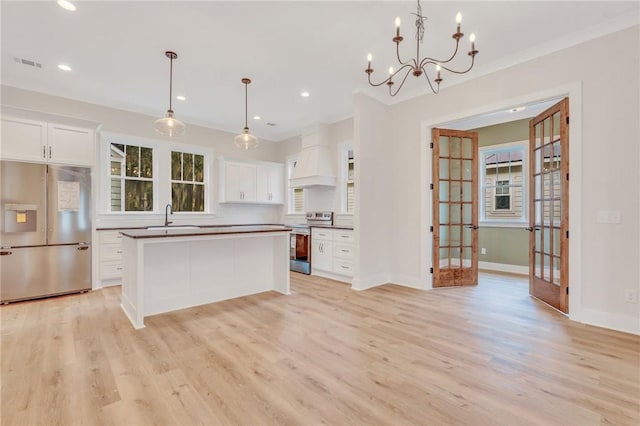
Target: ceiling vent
28	62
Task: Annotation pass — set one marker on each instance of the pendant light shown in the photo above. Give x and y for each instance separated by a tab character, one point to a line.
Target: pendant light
246	140
169	125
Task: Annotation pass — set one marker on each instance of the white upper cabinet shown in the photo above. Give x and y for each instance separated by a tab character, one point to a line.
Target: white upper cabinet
23	140
270	184
70	145
38	141
251	182
240	182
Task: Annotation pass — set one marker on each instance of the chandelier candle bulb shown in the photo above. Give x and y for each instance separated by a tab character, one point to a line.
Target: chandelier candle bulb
458	21
397	22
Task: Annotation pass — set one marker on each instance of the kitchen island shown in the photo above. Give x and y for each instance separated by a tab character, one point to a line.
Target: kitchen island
171	269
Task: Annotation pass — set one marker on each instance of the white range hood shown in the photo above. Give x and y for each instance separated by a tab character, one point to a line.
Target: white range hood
314	166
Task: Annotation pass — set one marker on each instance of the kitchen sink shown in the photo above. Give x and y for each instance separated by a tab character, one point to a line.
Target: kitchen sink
177	227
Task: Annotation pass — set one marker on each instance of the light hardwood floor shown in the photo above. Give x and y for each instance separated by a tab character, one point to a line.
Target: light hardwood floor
485	355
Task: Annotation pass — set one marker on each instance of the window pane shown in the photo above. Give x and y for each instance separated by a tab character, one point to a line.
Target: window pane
116	168
444	168
467	148
198	168
133	161
187	167
455	147
138	195
146	162
466	169
444	213
176	165
444	146
116	195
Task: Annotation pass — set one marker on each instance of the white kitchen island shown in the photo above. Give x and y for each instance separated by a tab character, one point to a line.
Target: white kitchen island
170	269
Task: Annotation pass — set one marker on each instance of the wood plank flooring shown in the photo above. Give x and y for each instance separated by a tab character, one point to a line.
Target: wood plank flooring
485	355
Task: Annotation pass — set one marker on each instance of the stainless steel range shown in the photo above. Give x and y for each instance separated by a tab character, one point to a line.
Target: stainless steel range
300	241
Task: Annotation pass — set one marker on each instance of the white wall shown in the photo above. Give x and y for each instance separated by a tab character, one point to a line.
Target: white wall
141	126
374	186
607	147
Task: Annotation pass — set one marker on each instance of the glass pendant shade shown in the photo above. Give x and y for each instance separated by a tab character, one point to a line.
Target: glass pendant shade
169	126
246	140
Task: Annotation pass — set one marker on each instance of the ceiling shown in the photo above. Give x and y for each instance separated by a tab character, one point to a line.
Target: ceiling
116	51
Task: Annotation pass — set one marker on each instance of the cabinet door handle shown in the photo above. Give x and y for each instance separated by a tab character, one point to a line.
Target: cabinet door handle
6	253
119	252
44	151
345	251
49	152
344	236
83	248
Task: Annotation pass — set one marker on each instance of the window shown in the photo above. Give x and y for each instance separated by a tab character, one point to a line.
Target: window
188	188
503	170
503	195
131	178
348	176
295	196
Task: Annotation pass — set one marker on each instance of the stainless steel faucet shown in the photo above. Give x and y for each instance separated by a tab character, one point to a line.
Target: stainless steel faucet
167	210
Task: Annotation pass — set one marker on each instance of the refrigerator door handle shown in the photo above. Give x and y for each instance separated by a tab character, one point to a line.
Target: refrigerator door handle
5	253
83	248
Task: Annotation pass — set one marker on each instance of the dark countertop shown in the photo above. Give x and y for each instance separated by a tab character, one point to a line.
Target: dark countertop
197	232
121	228
346	228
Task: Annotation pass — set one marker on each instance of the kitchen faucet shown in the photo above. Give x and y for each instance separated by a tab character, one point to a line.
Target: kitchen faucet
167	210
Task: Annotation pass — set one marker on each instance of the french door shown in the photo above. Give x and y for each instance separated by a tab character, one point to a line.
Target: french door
455	208
549	206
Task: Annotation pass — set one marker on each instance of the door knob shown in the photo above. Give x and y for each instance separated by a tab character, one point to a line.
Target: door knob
472	226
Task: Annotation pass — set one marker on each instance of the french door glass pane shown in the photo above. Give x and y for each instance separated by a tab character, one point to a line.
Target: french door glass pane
444	146
454	148
444	236
467	192
466	214
455	169
455	213
467	148
444	191
467	169
444	168
455	191
444	213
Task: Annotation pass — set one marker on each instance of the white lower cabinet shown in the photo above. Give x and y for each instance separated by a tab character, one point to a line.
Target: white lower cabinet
332	253
110	264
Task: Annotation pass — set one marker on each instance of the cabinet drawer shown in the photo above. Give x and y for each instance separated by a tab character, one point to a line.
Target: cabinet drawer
110	237
111	269
343	251
343	267
111	251
343	236
322	234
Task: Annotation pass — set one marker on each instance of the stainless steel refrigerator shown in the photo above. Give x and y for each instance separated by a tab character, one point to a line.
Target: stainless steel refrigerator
45	244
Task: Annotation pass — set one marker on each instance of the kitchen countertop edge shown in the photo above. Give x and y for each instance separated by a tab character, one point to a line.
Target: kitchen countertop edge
141	233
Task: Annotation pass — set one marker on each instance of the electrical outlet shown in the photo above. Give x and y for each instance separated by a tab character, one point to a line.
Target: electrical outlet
630	296
483	250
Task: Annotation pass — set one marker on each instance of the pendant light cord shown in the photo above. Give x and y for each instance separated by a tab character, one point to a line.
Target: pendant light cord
170	82
245	106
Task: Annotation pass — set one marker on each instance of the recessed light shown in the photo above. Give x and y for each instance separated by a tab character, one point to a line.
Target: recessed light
518	109
64	67
304	94
256	117
181	98
67	5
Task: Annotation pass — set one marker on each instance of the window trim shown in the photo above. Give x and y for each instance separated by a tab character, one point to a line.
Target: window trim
207	153
290	161
105	161
343	160
504	222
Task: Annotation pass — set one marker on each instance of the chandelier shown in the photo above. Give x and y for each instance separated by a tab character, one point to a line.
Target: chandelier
418	66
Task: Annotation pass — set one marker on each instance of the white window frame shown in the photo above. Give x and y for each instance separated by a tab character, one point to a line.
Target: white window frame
161	174
207	153
108	139
483	152
291	160
343	160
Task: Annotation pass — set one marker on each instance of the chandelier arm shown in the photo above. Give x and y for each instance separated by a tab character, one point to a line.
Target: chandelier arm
392	93
391	76
427	60
452	70
400	60
435	91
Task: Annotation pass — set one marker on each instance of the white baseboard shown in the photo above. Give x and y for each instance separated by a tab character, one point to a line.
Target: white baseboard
408	281
369	282
624	323
504	267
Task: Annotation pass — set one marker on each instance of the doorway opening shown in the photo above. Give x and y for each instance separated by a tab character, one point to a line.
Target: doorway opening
520	202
